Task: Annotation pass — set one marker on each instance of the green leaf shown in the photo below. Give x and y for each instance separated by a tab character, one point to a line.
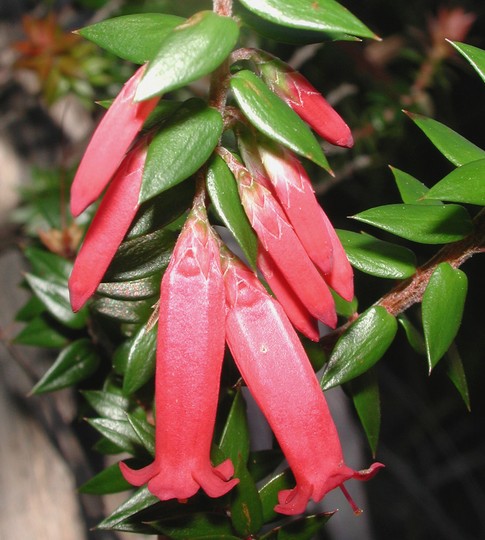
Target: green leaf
263	462
319	15
465	184
107	404
39	332
366	397
136	38
141	500
191	50
181	147
273	117
413	335
222	188
197	525
55	297
456	373
420	223
234	440
137	311
474	55
451	144
412	191
119	432
376	257
136	289
360	346
30	310
142	256
269	493
47	265
304	528
286	34
75	363
442	310
144	431
108	481
343	307
141	360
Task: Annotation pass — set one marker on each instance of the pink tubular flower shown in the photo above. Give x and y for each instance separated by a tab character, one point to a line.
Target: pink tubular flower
299	316
108	228
109	144
190	351
278	373
304	99
279	239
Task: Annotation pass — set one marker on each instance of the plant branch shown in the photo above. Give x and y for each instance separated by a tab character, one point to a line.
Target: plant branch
410	291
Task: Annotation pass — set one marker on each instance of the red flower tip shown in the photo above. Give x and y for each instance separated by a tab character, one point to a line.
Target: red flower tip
304	99
190	350
108	228
109	144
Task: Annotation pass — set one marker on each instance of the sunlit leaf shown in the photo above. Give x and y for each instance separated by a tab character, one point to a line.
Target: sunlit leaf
474	55
135	37
420	223
224	195
360	346
450	143
182	146
190	51
376	257
442	310
271	116
319	15
465	184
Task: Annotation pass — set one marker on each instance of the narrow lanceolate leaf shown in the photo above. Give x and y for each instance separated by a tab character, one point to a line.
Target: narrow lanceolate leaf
360	346
465	184
420	223
456	373
74	364
376	257
109	480
414	336
190	51
141	360
304	528
48	265
140	500
272	117
136	37
442	310
474	55
320	15
224	195
450	143
412	191
40	333
196	526
107	404
180	148
269	493
55	297
365	394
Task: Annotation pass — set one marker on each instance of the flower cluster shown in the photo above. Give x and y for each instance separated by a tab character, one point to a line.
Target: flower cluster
208	298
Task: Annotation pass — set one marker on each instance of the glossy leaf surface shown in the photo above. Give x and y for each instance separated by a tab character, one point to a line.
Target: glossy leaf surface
75	363
412	191
366	397
376	257
190	51
136	37
224	195
474	55
320	15
180	148
420	223
39	332
271	116
442	310
141	360
466	184
360	346
450	143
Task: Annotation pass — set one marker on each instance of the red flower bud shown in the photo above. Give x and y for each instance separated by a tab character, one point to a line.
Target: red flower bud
304	99
280	240
278	373
190	351
109	144
108	228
